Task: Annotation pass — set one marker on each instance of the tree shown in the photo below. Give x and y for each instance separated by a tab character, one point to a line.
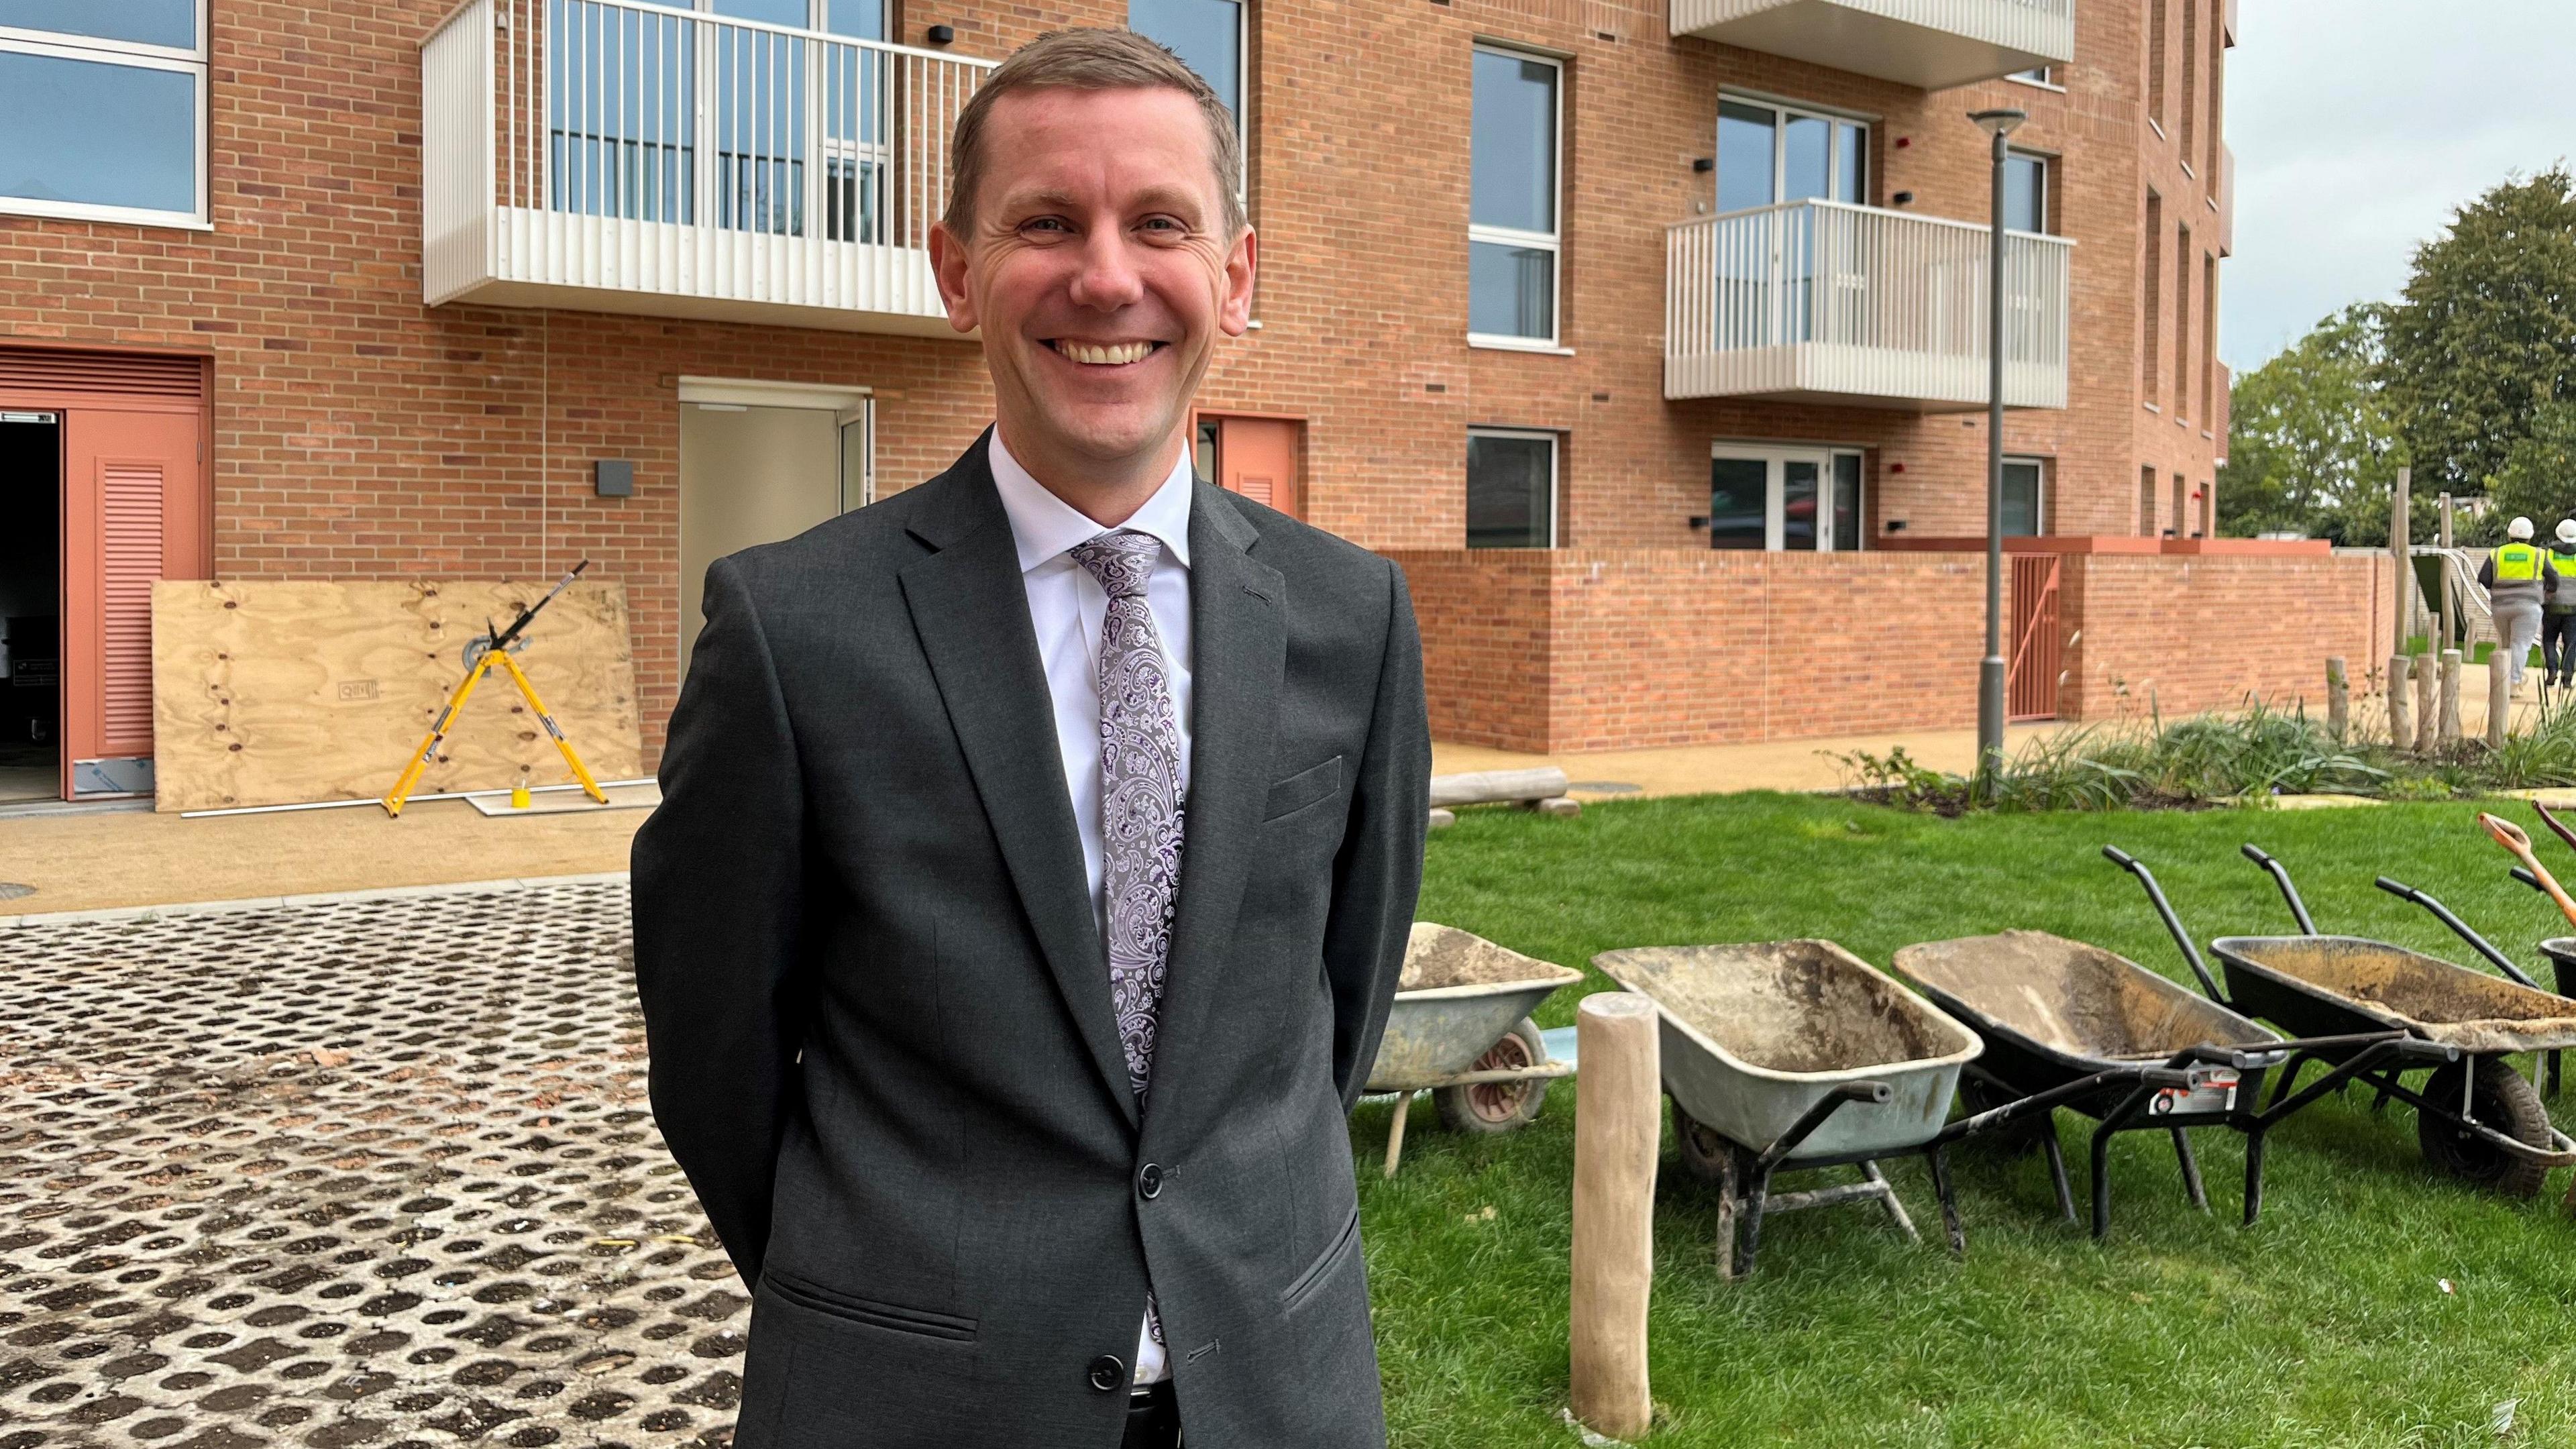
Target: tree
2311	435
2487	334
2538	479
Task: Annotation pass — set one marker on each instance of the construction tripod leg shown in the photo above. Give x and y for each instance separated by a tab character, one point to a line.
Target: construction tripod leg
428	751
528	691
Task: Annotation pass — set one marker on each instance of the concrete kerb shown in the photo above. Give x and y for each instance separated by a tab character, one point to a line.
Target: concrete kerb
34	919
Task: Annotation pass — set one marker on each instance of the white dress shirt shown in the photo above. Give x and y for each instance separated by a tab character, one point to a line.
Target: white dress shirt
1067	605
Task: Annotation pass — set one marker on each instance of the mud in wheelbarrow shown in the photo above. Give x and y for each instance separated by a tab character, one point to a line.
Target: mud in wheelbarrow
1460	1029
2067	1024
1796	1054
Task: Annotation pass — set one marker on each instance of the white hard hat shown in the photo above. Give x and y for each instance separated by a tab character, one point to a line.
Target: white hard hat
2567	530
2519	528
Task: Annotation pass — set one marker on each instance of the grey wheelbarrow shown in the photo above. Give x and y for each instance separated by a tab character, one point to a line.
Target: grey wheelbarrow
1460	1029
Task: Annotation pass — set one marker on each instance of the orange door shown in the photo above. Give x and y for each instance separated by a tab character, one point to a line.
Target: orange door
133	511
1257	457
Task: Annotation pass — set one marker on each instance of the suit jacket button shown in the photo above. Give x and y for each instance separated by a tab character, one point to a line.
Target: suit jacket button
1108	1373
1149	1181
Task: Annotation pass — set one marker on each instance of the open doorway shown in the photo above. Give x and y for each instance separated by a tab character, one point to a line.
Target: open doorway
31	593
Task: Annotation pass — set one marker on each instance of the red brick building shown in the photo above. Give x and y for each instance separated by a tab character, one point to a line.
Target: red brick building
401	288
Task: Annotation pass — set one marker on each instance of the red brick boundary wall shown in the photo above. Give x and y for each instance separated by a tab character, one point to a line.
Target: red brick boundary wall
1570	649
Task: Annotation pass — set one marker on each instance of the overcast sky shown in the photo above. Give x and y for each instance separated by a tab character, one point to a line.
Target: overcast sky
2359	125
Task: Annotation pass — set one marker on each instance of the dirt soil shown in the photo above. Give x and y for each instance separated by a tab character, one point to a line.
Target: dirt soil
2463	1007
1788	1006
2075	998
1437	956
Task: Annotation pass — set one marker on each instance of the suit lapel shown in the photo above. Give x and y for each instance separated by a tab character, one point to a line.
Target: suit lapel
970	609
1239	648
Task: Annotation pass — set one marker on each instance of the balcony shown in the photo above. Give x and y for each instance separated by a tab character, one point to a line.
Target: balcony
1819	301
1931	44
615	156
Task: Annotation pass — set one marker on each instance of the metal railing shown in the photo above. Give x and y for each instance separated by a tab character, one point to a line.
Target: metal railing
631	145
1827	297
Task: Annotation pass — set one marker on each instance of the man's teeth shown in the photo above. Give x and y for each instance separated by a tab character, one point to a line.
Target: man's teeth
1105	356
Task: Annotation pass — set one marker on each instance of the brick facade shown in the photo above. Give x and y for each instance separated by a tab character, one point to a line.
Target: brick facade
357	433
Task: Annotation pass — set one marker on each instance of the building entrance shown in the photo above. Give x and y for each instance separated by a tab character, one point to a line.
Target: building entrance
31	605
760	462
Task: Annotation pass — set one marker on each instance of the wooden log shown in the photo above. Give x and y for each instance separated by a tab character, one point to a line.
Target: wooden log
2401	697
2338	699
1618	1134
2450	732
1443	819
1490	787
2428	703
2399	517
2499	698
1558	805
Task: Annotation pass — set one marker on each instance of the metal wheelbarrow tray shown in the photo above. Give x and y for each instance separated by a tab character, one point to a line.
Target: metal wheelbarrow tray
1796	1054
1459	1028
2071	1024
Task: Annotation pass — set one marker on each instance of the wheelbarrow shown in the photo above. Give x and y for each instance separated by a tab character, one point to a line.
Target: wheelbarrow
2476	1117
1797	1054
2069	1022
1460	1029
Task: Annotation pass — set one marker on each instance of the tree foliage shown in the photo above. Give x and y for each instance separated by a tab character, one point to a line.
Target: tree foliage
2538	479
2311	434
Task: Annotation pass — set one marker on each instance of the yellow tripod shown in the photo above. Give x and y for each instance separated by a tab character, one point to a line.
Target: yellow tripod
496	651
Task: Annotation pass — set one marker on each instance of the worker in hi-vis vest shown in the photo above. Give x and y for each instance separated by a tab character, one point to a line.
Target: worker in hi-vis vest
2558	616
2519	581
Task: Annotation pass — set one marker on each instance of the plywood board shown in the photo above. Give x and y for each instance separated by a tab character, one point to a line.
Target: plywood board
280	693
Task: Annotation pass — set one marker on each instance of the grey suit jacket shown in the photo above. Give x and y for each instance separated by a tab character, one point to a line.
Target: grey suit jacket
879	1015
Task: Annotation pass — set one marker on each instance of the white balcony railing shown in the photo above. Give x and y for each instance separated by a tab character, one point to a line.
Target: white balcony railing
1931	44
1828	302
612	155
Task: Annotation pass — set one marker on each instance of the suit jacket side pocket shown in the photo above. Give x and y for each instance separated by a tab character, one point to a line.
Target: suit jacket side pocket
1306	787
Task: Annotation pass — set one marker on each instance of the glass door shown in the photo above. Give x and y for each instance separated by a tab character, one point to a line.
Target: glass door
1784	499
1770	155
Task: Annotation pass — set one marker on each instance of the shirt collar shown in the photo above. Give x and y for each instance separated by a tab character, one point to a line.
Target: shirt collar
1044	526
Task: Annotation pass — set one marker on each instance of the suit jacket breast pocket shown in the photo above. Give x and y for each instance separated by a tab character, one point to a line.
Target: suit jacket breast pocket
1306	787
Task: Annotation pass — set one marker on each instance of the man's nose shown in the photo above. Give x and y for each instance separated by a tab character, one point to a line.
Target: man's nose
1107	278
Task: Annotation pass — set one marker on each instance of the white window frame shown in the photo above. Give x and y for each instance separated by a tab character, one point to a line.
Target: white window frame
1555	468
2042	76
1785	110
2047	164
1242	92
138	56
1775	458
2039	498
1552	243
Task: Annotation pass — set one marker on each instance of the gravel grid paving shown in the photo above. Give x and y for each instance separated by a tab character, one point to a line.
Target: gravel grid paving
374	1172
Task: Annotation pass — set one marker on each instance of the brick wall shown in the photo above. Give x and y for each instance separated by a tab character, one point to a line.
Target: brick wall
1628	649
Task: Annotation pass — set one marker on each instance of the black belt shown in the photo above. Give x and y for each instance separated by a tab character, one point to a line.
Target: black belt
1153	1418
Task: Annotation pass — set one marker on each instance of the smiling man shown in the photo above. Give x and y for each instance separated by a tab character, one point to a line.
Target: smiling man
1036	856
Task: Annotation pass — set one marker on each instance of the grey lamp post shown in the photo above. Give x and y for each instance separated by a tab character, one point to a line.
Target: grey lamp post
1997	124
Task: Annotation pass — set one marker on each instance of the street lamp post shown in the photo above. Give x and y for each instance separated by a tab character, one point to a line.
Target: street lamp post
1997	125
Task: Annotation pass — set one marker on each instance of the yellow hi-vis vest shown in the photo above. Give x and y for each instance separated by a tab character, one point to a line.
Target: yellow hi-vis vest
2517	562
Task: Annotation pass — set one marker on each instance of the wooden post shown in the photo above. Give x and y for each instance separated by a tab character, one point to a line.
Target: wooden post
2401	702
2499	696
2443	590
1618	1134
2338	699
2398	519
2450	732
2428	702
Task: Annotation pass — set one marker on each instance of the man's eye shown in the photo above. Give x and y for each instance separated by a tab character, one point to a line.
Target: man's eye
1164	226
1045	224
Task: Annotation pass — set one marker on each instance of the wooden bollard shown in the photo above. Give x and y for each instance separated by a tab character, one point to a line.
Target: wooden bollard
2428	703
1618	1134
2401	697
2499	697
2450	697
2338	699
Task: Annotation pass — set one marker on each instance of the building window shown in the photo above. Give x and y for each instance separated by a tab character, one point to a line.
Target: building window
2180	517
103	110
1767	154
1512	239
1784	499
2026	191
2038	75
2208	338
2182	324
2150	376
2025	497
2147	501
2156	43
1511	489
2190	113
1208	37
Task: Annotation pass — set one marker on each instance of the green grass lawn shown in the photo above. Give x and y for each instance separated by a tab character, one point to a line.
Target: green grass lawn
2324	1325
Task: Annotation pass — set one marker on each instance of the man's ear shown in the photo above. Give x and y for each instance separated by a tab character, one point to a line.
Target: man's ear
949	263
1242	260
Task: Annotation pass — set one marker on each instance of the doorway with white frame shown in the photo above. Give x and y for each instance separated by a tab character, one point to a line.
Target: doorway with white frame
1796	498
763	461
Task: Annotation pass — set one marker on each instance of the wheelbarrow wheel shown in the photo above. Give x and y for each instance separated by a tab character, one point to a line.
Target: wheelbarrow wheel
1705	1155
1490	1107
2018	1138
2500	1099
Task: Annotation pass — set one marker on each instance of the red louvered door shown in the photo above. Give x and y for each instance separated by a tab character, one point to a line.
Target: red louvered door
133	512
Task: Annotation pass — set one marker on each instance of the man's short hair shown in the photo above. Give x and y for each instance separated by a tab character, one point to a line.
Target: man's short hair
1090	59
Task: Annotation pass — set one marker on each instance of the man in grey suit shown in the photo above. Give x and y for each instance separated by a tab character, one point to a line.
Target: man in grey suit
1036	856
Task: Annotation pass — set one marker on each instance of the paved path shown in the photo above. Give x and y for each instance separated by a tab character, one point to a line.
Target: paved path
351	1174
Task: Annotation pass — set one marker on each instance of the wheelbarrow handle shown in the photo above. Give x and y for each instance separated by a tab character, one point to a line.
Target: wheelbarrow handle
2523	874
2173	923
1815	1117
2459	928
2281	877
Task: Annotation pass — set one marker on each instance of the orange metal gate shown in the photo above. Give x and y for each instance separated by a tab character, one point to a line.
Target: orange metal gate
2037	645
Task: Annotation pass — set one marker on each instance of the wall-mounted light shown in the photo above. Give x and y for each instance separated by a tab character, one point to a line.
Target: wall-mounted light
942	34
1699	520
1903	198
1703	164
1896	525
